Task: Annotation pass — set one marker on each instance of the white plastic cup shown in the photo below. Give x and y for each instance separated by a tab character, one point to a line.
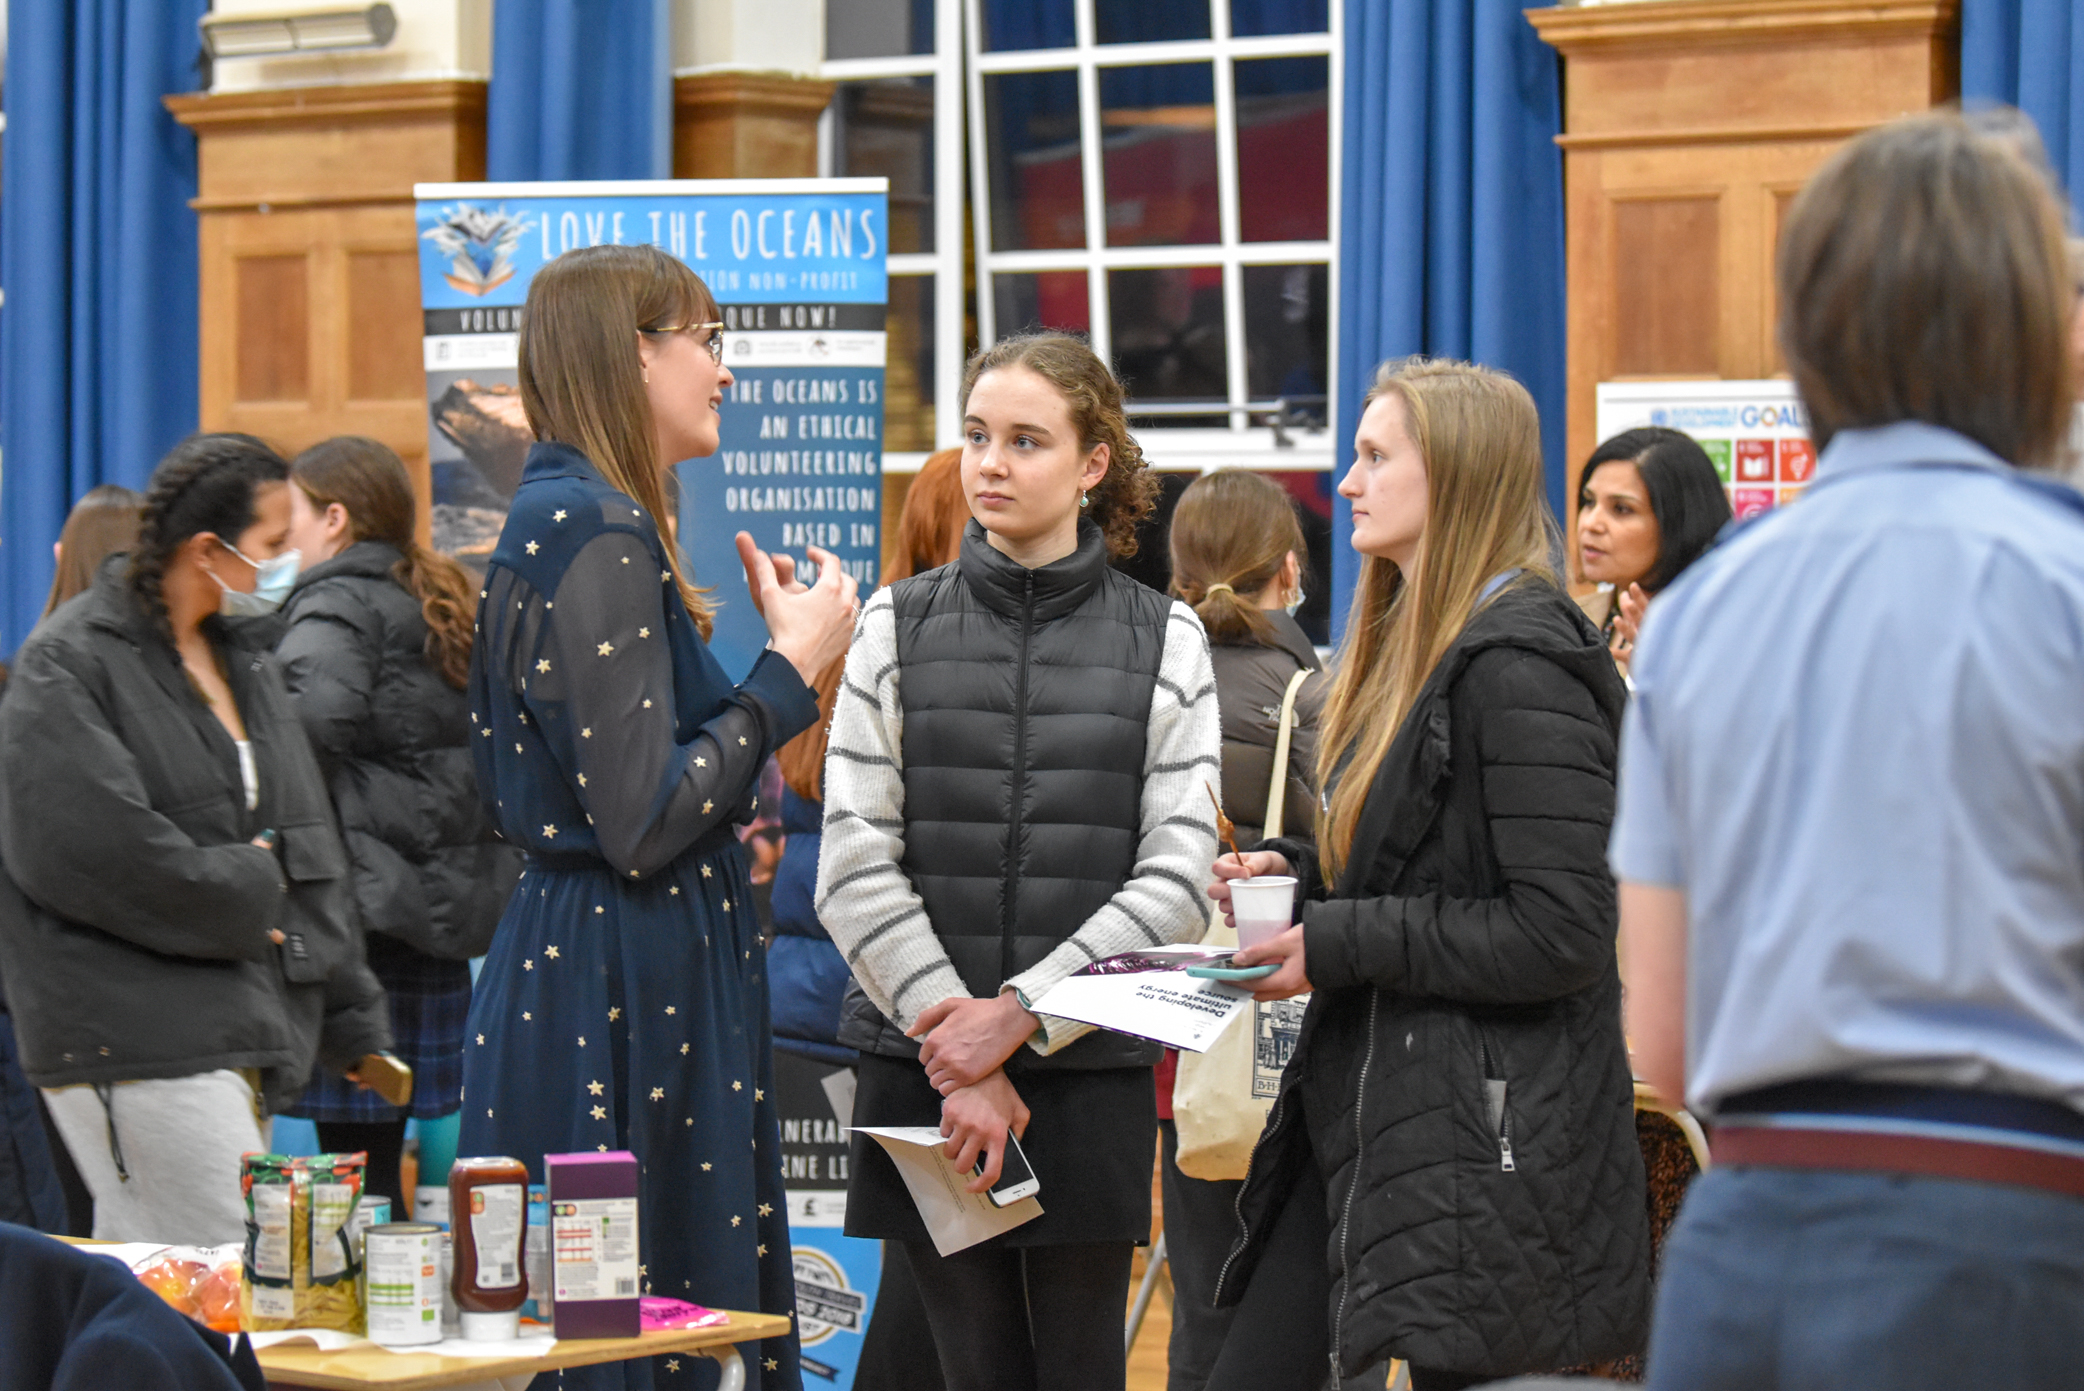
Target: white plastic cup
1264	907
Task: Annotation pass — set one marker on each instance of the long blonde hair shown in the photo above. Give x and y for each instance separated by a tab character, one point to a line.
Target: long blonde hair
582	382
1480	437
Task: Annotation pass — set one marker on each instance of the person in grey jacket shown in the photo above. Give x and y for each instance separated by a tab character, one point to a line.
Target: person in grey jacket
1237	552
375	651
182	946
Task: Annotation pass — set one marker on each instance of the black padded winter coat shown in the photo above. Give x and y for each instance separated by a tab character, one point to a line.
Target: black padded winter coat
393	740
138	946
1461	1079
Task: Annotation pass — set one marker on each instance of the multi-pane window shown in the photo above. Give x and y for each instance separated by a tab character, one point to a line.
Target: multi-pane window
898	113
1156	174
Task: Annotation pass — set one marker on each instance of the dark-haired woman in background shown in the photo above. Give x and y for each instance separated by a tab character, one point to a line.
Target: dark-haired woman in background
1648	504
375	654
167	1005
101	524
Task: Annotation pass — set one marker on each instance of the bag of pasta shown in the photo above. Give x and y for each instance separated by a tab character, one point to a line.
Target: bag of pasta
301	1262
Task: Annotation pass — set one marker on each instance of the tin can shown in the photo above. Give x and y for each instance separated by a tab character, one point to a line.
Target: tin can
370	1212
403	1260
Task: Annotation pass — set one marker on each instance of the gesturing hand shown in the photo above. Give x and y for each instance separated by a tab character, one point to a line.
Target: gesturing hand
975	1120
1257	862
966	1040
810	625
1630	606
1292	976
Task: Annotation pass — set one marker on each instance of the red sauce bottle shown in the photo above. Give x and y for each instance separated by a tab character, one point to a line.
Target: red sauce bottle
488	1223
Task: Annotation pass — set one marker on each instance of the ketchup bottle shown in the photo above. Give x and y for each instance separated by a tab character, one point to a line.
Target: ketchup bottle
488	1224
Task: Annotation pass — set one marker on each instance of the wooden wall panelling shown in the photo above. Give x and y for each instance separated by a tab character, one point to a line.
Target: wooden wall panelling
310	295
747	125
1688	126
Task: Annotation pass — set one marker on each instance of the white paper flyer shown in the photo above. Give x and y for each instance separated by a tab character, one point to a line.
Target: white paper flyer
956	1218
1149	994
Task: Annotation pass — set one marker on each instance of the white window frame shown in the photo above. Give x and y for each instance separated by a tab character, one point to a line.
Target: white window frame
945	261
1241	444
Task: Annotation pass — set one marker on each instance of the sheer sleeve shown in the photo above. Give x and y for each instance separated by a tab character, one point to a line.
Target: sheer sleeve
601	666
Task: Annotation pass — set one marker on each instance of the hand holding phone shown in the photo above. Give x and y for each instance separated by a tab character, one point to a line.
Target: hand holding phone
386	1074
1016	1179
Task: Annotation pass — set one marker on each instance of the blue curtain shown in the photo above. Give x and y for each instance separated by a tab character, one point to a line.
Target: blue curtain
581	89
2025	52
98	259
1451	211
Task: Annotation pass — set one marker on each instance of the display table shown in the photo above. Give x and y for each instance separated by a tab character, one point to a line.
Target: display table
360	1368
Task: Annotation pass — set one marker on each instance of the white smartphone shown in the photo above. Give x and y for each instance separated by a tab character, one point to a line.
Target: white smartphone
1016	1179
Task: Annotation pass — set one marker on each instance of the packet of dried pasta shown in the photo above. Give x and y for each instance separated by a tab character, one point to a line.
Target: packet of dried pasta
300	1261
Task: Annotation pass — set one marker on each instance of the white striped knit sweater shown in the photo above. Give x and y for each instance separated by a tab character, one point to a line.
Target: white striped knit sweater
866	900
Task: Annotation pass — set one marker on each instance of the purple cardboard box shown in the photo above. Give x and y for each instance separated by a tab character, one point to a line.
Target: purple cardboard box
593	1243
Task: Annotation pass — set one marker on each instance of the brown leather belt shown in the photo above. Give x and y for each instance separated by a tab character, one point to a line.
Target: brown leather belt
1801	1147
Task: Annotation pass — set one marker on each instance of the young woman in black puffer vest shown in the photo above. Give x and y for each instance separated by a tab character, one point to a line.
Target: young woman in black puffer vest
1015	789
375	653
1449	1174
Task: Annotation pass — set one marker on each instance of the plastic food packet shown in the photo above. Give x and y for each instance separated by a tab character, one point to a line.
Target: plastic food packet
201	1282
300	1261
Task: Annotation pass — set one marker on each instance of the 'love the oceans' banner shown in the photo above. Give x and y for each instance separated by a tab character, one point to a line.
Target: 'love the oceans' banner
797	266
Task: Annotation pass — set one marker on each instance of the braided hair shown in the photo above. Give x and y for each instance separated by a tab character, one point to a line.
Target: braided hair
205	483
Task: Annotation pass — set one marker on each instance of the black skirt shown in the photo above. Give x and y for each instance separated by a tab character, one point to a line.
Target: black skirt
1091	1140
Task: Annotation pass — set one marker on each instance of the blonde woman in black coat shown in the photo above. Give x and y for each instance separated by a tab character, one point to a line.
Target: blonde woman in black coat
1449	1175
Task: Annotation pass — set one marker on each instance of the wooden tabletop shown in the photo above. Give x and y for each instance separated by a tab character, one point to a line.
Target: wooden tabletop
358	1368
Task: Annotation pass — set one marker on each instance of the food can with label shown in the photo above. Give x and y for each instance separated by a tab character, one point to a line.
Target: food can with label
404	1271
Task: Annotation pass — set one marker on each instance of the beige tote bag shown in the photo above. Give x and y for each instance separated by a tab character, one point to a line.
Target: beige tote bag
1220	1097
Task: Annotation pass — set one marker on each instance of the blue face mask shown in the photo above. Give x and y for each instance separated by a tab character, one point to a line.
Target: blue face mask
272	581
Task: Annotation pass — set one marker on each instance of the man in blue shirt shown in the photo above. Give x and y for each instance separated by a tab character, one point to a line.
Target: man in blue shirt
1851	823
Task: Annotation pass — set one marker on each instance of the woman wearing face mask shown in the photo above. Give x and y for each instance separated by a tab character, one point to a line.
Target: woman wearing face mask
623	1005
375	651
1449	1174
186	946
1649	503
1016	788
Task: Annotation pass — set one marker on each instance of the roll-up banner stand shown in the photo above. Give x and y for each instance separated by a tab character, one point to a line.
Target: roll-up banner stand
797	266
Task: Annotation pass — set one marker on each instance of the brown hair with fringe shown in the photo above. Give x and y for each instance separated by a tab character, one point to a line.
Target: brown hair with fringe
103	522
368	480
582	382
1232	532
929	534
1127	492
1486	514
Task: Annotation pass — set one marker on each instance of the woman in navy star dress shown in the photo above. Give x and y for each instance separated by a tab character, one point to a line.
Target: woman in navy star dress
623	1004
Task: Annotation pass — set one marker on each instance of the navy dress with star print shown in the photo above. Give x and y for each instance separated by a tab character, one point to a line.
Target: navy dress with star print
624	1004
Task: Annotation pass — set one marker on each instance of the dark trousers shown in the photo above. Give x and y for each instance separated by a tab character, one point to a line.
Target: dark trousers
1280	1336
897	1352
1200	1224
384	1142
1035	1318
1814	1280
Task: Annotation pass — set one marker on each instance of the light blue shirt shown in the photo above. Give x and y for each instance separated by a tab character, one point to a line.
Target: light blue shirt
1857	743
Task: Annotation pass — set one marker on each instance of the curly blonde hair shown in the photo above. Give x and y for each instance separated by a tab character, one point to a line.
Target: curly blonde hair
1127	493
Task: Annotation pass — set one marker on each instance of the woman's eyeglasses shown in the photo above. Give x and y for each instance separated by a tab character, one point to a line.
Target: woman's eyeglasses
714	342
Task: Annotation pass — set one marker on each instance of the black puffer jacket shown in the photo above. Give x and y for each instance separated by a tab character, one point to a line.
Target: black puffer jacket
393	740
1461	1079
140	946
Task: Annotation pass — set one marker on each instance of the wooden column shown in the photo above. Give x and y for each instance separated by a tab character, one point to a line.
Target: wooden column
747	125
311	317
1688	126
